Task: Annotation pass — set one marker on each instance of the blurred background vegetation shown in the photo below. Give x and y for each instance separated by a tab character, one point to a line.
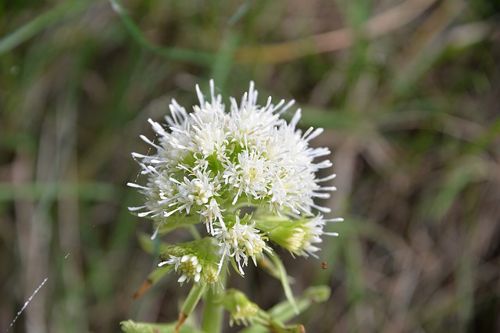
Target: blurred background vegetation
407	90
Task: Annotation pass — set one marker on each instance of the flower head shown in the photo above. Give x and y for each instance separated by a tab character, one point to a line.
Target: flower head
209	163
187	266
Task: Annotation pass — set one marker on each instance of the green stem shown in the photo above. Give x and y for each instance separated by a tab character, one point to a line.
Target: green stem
189	304
192	299
212	313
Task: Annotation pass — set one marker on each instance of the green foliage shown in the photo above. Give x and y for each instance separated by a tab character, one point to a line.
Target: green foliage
130	326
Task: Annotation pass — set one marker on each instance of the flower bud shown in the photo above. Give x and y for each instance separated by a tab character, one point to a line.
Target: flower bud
196	260
186	266
297	236
241	309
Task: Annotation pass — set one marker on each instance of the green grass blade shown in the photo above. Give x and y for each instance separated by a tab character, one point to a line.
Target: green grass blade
224	60
39	23
86	191
171	53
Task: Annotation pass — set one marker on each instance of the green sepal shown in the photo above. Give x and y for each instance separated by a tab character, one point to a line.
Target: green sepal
267	223
204	248
280	229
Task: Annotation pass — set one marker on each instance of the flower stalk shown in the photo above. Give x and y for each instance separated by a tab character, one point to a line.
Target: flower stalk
189	304
212	313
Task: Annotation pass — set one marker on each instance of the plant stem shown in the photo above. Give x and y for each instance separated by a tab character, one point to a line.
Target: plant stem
192	299
189	304
212	313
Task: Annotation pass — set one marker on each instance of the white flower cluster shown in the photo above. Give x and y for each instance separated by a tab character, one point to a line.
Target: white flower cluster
211	162
240	242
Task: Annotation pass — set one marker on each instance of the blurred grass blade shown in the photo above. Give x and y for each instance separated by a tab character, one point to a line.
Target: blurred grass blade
86	191
468	170
39	23
240	12
171	53
224	60
430	43
487	138
331	119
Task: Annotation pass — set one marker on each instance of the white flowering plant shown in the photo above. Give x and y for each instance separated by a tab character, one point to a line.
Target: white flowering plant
250	179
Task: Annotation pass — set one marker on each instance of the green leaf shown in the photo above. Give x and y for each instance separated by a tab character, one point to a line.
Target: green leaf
284	281
39	23
285	311
130	326
224	59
